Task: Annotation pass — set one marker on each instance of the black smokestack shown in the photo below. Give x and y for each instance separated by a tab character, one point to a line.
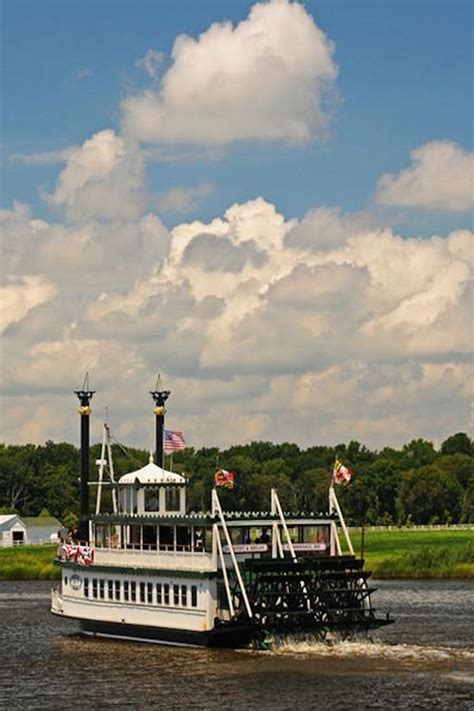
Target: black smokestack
85	396
160	396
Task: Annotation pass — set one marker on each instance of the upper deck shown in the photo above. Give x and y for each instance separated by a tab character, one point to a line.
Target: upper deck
189	542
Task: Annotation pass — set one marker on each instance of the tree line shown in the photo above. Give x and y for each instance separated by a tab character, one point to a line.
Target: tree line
416	484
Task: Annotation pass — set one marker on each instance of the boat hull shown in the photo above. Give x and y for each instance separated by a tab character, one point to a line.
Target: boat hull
226	635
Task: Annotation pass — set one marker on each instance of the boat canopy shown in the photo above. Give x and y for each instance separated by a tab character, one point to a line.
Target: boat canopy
152	474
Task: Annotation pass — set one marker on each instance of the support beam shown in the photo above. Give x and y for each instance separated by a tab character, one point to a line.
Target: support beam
334	505
216	508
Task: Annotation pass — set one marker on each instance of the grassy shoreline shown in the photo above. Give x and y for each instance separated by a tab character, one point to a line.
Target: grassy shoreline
415	554
400	554
29	563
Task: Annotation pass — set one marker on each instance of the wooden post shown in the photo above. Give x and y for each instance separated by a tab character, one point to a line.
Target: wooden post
362	541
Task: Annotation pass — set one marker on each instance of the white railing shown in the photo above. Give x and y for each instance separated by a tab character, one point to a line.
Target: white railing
154	559
27	542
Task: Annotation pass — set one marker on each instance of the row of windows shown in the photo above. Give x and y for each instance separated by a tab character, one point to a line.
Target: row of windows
146	593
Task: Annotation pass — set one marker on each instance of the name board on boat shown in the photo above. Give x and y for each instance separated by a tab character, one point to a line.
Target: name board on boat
306	546
247	548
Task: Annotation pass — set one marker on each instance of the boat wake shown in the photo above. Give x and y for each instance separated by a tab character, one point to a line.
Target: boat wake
373	652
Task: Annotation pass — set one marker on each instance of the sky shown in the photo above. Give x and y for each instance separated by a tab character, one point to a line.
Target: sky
269	203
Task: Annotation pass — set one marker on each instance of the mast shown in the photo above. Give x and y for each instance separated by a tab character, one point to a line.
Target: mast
85	396
159	396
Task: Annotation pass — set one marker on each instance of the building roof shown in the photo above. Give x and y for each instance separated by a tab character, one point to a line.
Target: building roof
41	521
7	520
152	474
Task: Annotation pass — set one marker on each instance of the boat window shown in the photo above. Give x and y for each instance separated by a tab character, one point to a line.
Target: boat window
208	540
86	587
294	532
134	536
117	589
194	595
126	594
114	537
133	591
102	537
316	534
122	501
149	537
172	498
142	592
184	595
151	500
166	593
149	593
166	538
101	589
176	594
236	534
158	594
110	589
94	587
183	538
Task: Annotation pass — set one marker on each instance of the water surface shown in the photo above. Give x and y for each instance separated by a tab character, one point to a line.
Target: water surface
424	661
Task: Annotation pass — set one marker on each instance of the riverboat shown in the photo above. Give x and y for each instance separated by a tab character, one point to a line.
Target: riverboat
151	570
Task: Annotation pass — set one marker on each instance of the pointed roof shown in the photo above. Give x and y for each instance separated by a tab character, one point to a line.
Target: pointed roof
152	474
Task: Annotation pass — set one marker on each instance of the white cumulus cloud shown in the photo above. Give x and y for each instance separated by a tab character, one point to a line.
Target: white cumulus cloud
183	199
103	178
21	295
150	62
267	78
316	331
441	177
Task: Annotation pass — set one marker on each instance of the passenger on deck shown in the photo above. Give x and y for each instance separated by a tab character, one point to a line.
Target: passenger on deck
264	536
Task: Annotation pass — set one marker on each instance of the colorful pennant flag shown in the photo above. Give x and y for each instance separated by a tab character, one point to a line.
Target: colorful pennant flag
340	473
224	478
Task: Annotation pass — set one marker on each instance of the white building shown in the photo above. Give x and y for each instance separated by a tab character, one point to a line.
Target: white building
41	529
12	530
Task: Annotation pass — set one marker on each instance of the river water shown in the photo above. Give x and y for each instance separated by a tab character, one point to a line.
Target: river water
424	661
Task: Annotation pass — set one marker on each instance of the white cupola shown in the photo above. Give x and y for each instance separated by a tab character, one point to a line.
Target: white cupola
152	490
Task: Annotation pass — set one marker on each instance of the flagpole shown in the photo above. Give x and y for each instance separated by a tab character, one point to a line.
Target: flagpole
331	486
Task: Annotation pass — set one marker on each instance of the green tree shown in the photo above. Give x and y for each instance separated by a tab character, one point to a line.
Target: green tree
61	489
467	513
458	443
312	490
459	465
417	453
428	494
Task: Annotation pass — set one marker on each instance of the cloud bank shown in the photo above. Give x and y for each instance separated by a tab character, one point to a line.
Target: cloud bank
315	330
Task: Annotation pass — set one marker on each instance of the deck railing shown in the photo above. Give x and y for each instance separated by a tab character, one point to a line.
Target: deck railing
168	560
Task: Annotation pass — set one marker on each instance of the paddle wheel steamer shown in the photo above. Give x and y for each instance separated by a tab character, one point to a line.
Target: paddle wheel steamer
151	570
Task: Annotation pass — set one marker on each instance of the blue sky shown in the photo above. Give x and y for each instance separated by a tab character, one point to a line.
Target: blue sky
405	79
270	203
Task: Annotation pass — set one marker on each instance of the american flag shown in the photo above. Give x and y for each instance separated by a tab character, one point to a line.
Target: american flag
173	441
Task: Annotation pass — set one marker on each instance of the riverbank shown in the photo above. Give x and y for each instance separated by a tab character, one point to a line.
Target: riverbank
404	553
418	554
29	563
